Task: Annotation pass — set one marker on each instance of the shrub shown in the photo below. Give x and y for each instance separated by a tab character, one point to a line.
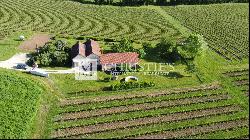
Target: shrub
166	49
109	40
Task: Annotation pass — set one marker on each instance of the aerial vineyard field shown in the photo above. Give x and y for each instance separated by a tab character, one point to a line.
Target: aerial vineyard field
19	101
208	101
240	79
77	19
225	26
177	113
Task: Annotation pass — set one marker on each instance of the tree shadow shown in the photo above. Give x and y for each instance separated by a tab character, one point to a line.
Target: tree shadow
17	40
174	75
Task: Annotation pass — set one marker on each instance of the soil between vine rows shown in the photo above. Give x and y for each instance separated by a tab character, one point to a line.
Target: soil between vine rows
141	121
136	95
145	106
196	130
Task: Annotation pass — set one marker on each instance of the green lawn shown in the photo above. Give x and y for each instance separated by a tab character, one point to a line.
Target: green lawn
9	46
66	83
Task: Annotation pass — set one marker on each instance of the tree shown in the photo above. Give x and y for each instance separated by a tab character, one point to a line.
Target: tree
147	47
124	46
190	48
54	53
166	49
44	59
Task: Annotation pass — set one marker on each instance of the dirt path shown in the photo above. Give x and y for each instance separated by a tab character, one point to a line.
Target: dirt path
36	41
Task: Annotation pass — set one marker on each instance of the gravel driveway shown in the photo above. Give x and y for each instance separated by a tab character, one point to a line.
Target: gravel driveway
21	58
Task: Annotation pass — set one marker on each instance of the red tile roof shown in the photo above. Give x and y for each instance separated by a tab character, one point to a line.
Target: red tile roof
85	49
119	58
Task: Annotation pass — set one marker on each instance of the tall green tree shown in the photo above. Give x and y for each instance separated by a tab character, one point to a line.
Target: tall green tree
166	49
190	48
125	45
55	53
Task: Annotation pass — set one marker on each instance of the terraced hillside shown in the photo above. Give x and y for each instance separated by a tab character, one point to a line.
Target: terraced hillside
74	18
225	26
205	111
240	78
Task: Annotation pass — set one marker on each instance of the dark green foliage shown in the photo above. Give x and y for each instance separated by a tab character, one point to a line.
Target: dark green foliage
54	53
136	2
103	1
190	48
141	53
174	75
124	46
147	47
172	51
167	50
129	85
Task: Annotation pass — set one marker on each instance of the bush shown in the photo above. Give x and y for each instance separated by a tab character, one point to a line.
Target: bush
166	49
109	40
172	51
175	75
